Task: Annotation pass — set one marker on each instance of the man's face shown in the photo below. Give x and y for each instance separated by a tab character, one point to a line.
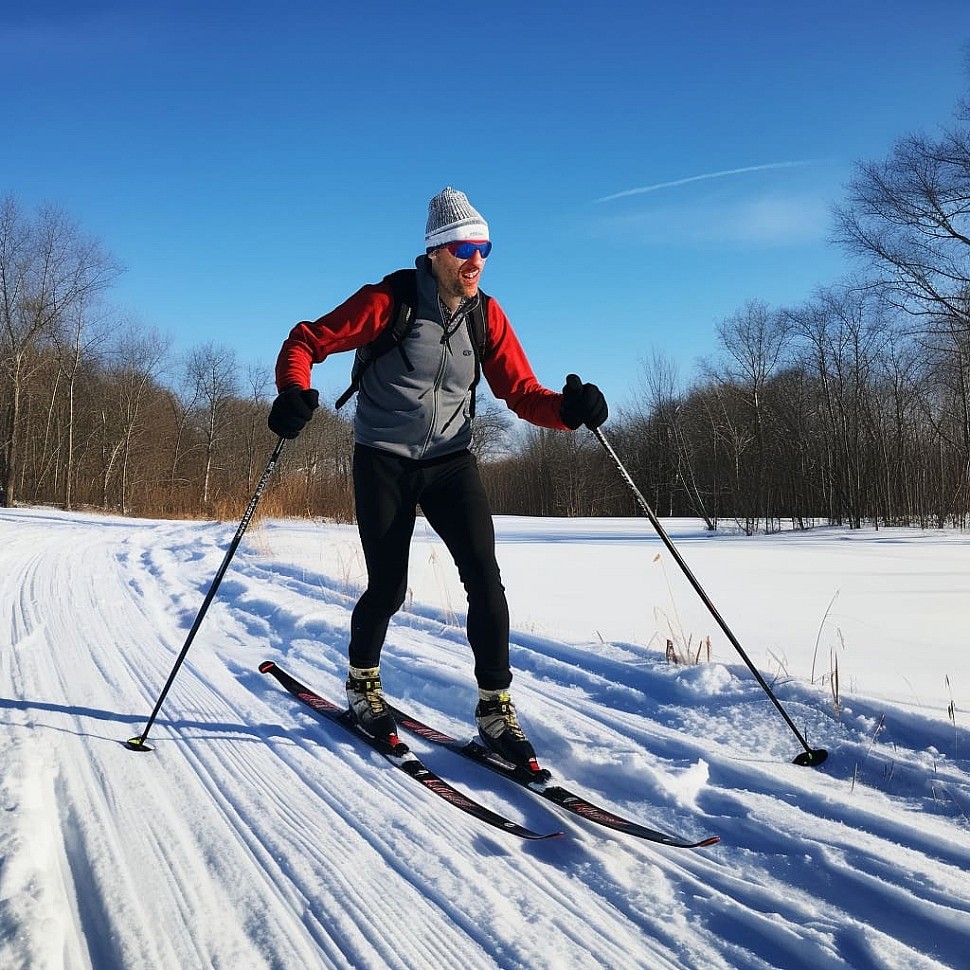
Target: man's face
457	278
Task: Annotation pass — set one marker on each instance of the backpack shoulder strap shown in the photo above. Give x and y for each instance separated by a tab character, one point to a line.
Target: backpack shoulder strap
477	322
478	319
404	289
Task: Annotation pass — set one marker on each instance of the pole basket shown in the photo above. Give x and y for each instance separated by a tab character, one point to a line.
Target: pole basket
810	759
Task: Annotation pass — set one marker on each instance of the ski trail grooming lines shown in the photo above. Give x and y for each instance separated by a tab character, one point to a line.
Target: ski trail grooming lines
539	782
399	755
810	757
138	743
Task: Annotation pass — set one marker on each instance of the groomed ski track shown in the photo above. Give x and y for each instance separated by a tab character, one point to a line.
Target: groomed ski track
255	836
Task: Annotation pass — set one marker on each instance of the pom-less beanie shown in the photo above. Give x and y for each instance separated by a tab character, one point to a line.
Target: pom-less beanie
451	217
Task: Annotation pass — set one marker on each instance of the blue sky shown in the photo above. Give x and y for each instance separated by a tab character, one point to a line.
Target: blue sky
645	168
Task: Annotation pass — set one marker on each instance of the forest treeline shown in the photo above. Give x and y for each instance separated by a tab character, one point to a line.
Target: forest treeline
853	408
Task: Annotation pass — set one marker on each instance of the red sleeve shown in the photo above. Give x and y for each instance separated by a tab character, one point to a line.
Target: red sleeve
510	375
354	323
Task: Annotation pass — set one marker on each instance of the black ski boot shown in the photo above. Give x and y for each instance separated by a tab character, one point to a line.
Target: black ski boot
365	698
498	728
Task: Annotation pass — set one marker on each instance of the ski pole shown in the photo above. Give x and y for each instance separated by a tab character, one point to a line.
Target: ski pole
137	743
810	757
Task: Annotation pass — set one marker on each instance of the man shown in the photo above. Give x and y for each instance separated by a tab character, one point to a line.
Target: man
412	429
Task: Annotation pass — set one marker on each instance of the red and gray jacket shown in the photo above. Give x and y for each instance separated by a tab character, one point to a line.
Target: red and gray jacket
418	404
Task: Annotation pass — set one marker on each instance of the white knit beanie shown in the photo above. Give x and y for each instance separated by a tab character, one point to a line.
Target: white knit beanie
451	217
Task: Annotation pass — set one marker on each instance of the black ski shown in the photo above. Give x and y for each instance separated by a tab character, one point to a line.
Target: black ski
540	784
399	755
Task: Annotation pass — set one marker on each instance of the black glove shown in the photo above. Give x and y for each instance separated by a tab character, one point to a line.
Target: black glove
291	410
582	404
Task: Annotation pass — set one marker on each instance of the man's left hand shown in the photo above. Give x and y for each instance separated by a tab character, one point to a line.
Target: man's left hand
582	404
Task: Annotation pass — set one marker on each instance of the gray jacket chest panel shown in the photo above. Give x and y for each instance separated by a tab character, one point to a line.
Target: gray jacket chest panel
424	410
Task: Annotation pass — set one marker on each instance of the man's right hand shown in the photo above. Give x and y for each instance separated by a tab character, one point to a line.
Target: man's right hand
291	410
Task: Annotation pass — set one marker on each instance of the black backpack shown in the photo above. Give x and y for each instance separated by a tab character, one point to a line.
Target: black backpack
404	286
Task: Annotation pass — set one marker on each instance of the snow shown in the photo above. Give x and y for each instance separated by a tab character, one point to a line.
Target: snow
257	836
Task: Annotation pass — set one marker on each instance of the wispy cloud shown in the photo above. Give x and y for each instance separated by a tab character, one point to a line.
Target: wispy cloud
775	219
700	178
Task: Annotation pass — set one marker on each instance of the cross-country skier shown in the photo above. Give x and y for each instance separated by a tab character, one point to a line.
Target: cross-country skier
412	430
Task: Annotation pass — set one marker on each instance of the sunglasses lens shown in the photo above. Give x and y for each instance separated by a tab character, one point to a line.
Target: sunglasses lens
465	250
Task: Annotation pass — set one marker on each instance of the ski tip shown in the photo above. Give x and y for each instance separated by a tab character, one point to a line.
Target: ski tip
704	843
810	758
266	666
137	744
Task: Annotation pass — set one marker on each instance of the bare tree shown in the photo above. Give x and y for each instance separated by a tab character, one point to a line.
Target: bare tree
84	328
259	383
844	331
47	268
755	340
136	360
662	413
908	217
211	372
491	429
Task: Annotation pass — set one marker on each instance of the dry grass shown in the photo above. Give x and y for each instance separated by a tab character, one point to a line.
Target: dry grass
679	647
683	652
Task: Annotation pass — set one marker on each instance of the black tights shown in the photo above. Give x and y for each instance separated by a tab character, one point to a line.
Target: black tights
387	489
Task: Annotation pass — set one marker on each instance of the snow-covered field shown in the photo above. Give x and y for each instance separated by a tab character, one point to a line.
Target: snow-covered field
257	836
